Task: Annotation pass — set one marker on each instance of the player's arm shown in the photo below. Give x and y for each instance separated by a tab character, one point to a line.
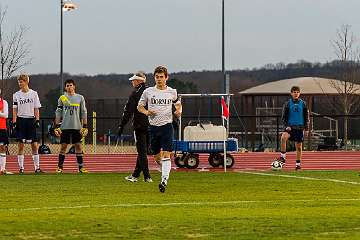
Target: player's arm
37	107
37	114
177	104
285	114
84	130
83	112
178	109
58	112
142	103
306	117
129	109
15	105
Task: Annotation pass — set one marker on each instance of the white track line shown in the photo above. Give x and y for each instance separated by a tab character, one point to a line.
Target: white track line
300	177
134	205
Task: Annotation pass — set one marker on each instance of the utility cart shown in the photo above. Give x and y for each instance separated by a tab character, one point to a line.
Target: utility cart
204	139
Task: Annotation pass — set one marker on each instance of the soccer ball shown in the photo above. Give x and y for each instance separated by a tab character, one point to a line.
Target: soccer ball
276	165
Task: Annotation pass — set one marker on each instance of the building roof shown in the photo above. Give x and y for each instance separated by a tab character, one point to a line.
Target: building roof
308	85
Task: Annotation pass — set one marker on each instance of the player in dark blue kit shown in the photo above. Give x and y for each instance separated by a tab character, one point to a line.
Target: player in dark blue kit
295	117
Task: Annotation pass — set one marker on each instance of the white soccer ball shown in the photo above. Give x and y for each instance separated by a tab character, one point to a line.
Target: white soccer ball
276	165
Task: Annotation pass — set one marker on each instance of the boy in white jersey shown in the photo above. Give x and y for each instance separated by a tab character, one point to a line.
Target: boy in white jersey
26	115
159	100
71	112
4	140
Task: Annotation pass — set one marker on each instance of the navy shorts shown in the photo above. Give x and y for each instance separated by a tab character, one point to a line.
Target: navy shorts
4	139
161	138
296	135
26	130
70	136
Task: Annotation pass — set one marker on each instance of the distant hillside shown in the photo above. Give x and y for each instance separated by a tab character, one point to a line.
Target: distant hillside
117	86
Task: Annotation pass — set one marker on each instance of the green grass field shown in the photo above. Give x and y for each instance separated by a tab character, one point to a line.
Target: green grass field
269	205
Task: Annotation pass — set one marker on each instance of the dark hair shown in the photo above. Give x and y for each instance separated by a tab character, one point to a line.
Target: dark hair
69	81
295	88
161	69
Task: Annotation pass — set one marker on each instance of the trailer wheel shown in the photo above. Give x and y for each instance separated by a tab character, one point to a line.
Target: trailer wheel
179	160
230	161
191	160
215	159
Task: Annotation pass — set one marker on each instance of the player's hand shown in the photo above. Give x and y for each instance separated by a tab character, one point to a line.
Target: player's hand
37	124
288	129
57	131
177	113
84	131
150	113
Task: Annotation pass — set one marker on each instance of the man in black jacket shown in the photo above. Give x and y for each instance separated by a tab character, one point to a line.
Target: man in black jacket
140	126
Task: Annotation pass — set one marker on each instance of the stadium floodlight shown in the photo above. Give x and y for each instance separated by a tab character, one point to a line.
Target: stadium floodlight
65	6
68	6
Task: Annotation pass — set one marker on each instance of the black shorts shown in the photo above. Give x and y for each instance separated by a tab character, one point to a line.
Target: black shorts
296	135
161	138
70	136
4	139
26	130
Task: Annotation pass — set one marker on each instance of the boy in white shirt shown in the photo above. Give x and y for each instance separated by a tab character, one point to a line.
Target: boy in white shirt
160	100
26	119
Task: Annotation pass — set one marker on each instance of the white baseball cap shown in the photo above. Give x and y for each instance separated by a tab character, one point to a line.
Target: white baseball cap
136	77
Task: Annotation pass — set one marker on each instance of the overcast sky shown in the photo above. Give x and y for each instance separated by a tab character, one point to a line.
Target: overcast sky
118	36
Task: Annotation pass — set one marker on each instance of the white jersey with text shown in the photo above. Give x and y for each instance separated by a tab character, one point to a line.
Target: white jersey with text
160	102
25	103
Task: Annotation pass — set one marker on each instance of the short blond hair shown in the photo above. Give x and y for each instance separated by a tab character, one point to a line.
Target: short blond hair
24	77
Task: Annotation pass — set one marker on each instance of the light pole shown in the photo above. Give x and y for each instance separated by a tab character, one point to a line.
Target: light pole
64	7
223	46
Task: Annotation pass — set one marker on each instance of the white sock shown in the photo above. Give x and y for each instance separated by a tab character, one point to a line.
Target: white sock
165	169
2	161
283	155
36	160
21	161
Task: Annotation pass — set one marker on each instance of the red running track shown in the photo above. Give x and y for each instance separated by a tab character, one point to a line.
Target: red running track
337	160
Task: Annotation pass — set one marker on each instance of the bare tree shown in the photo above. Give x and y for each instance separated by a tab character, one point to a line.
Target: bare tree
14	50
348	88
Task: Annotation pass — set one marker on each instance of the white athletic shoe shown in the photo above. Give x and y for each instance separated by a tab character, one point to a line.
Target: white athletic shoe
131	178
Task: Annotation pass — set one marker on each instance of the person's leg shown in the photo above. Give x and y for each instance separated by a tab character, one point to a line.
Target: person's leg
35	156
284	138
137	170
61	158
79	157
142	161
167	134
165	166
20	157
298	155
2	159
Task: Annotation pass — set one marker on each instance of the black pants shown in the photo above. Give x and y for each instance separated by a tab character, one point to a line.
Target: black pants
142	144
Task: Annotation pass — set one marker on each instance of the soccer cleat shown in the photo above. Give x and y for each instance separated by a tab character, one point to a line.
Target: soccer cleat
83	170
162	187
59	170
131	178
21	171
148	180
298	167
39	171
